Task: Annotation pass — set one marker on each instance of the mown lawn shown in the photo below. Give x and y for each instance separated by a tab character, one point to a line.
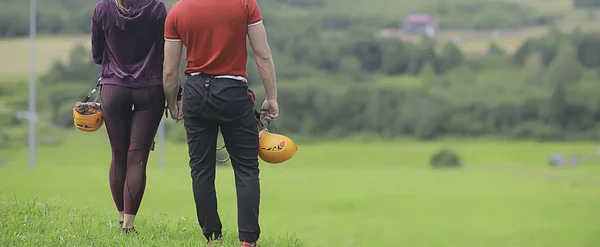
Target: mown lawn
350	193
14	61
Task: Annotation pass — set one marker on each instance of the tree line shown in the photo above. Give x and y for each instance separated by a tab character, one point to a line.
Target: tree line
335	84
547	90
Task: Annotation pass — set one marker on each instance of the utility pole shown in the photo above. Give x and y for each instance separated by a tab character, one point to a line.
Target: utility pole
32	115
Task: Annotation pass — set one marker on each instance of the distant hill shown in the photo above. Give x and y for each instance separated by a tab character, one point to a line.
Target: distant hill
475	23
72	16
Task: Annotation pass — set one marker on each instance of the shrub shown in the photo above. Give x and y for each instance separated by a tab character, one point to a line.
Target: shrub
445	158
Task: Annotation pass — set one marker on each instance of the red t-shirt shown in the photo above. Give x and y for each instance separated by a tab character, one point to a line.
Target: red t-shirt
214	34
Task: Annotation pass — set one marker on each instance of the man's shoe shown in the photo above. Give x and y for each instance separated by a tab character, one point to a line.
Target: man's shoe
214	242
128	230
248	244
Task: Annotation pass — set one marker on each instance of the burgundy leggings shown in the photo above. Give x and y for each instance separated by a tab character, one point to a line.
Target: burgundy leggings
131	133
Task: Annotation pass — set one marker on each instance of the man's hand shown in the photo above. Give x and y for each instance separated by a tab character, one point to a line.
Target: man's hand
272	107
180	109
176	110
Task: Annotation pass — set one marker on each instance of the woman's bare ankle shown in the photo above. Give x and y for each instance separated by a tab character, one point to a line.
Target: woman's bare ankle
128	220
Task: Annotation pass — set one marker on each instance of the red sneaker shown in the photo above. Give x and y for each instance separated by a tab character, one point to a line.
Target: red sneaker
247	244
214	242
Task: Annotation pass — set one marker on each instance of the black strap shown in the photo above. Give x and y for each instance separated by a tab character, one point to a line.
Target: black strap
94	90
259	120
260	117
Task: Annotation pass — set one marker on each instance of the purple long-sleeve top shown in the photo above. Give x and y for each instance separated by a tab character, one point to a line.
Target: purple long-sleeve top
130	47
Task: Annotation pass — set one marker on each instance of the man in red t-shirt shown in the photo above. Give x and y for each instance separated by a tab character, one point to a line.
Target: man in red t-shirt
216	95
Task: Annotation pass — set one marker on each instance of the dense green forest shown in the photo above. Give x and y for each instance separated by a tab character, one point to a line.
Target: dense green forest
336	79
547	90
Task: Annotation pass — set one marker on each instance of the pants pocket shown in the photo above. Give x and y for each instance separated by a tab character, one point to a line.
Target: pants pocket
194	99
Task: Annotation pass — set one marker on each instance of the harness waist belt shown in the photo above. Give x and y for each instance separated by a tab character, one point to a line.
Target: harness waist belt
239	78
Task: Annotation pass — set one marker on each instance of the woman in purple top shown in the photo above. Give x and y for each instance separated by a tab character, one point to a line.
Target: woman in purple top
127	40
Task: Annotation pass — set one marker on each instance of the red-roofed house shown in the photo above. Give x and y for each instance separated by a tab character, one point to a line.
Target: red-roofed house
420	24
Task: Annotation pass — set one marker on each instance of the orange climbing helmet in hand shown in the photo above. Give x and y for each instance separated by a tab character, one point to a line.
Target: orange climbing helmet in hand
273	148
87	116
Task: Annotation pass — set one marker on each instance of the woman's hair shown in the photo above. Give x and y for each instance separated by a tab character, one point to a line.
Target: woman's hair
121	7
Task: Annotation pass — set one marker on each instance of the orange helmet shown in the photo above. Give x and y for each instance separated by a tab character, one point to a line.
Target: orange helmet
88	116
275	148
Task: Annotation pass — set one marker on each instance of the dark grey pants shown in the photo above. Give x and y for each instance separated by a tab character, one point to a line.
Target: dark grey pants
209	104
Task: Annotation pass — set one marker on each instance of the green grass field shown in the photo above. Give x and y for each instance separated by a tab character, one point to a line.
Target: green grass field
15	53
349	193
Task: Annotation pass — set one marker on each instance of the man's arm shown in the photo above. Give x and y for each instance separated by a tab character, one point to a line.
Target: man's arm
262	56
172	60
98	40
171	70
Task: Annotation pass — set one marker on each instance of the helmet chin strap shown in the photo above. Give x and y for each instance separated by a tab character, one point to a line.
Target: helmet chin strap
259	116
262	116
223	160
